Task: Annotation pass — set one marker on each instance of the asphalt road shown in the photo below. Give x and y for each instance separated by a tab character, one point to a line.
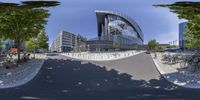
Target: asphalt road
141	67
134	78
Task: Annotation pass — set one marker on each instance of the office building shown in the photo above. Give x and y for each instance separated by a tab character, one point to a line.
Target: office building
182	30
8	44
116	31
66	41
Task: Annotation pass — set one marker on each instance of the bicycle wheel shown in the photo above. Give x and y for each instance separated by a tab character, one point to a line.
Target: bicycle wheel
183	64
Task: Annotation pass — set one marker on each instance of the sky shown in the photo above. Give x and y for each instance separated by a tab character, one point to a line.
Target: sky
78	16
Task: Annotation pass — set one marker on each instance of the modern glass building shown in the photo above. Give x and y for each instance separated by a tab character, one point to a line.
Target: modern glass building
182	31
116	31
8	44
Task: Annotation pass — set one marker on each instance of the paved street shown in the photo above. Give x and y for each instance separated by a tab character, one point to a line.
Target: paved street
134	78
140	67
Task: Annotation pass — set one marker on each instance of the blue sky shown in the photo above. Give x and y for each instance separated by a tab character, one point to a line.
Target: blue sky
78	16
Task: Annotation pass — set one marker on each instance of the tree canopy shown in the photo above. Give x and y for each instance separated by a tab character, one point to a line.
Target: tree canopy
191	12
152	44
1	43
20	22
38	4
43	40
31	44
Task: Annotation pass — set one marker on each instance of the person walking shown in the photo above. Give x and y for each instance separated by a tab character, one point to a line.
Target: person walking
155	55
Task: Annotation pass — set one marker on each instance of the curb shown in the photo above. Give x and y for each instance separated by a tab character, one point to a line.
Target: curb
160	71
25	80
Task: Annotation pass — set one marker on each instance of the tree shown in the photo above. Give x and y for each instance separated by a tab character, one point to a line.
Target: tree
152	44
43	40
189	11
159	49
20	22
32	44
1	43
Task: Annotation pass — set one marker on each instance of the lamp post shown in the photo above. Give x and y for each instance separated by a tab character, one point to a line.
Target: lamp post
35	44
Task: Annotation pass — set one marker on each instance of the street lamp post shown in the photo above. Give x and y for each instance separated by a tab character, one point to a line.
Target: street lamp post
35	46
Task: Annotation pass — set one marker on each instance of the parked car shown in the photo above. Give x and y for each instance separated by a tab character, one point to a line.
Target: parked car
148	52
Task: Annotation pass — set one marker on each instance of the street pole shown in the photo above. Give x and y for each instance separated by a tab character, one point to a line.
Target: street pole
35	47
34	52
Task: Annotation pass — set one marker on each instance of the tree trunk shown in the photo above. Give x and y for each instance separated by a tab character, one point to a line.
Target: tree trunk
18	51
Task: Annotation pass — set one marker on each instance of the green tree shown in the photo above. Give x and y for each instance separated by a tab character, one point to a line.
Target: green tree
1	43
20	22
32	44
43	40
152	44
189	11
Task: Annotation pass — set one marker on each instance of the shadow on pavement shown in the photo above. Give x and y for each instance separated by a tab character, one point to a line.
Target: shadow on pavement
72	80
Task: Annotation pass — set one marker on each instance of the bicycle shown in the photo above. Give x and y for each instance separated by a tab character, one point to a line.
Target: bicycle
171	59
191	61
9	62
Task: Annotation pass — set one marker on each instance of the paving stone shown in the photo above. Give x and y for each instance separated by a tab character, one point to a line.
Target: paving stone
20	75
172	73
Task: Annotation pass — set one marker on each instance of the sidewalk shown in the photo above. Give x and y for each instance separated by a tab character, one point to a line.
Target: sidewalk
22	74
102	56
177	75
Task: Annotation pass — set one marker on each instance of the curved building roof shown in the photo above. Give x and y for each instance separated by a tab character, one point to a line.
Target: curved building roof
101	13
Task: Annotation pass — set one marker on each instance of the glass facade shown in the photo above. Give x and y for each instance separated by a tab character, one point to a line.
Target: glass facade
116	27
8	44
116	31
182	31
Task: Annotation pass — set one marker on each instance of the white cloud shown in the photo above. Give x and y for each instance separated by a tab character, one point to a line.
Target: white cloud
167	37
172	24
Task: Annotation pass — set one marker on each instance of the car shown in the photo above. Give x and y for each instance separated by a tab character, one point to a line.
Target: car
148	52
54	51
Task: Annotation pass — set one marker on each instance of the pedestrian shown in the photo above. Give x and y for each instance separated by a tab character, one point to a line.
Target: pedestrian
155	56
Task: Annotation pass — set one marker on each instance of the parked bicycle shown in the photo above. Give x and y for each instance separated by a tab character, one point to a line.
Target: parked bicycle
170	59
191	61
10	62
